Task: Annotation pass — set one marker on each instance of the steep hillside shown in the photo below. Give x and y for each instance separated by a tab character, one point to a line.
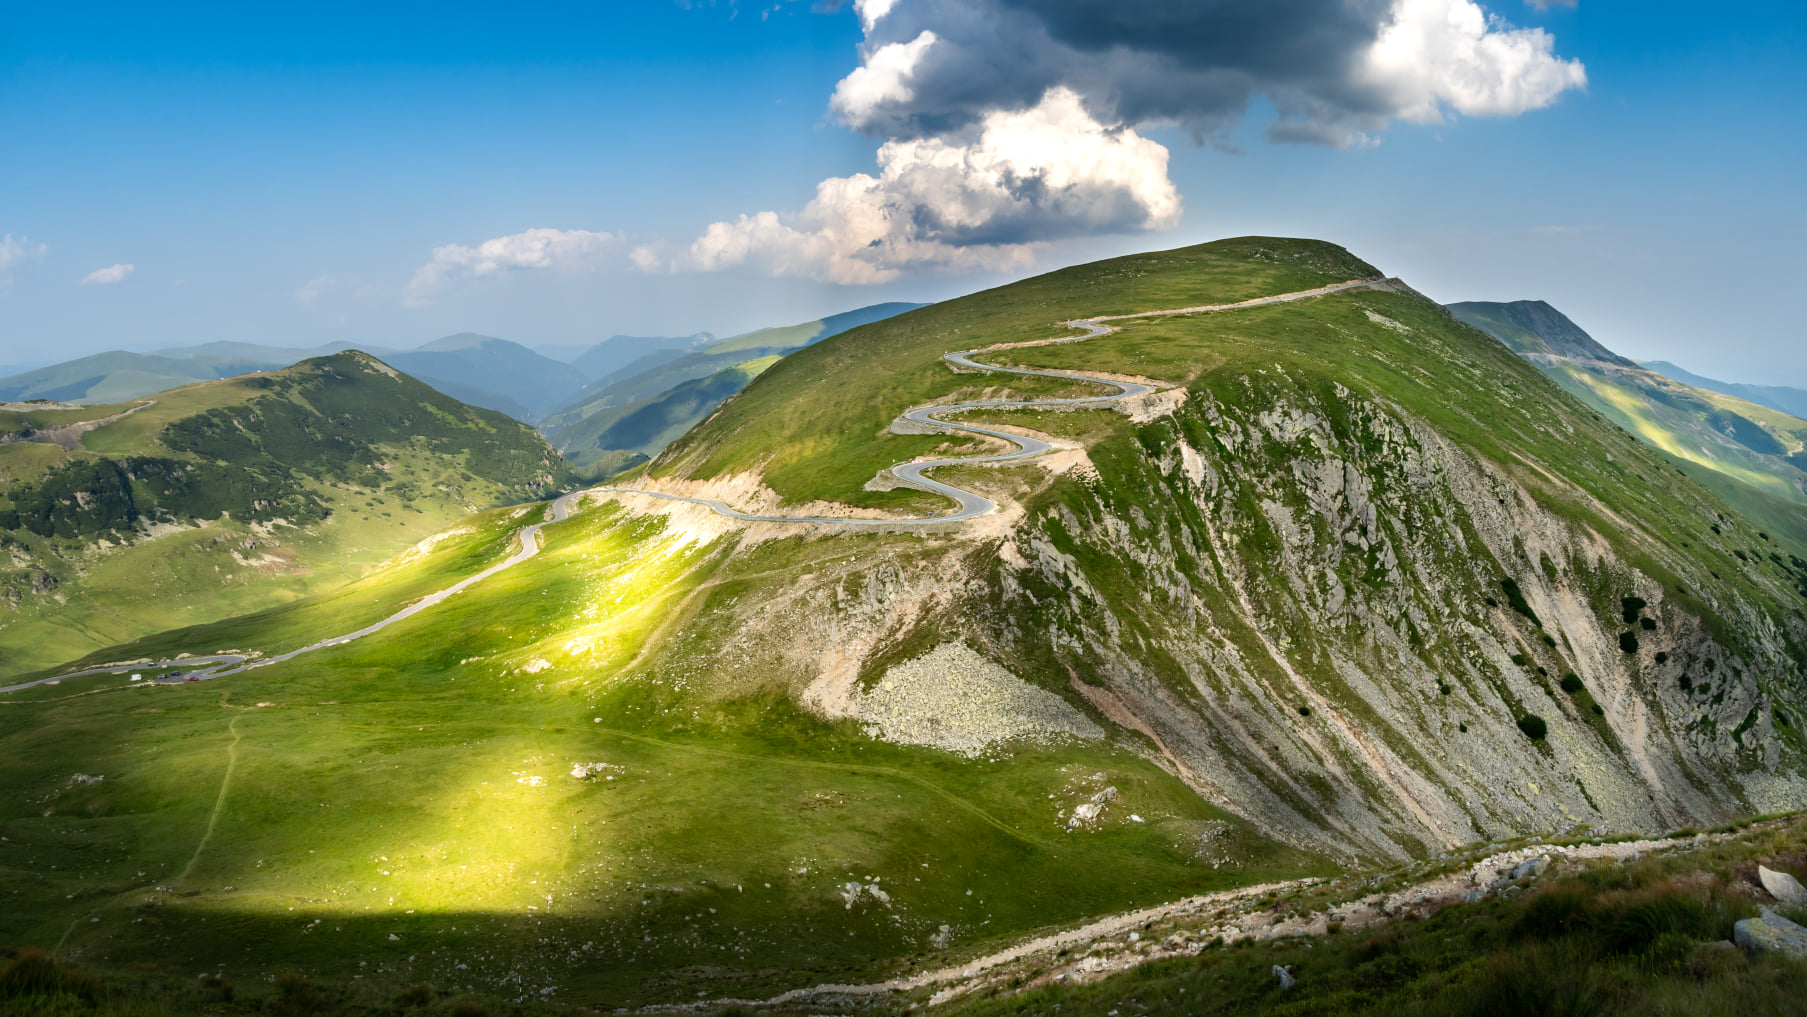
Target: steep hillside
681	388
1353	584
226	496
1792	401
1749	454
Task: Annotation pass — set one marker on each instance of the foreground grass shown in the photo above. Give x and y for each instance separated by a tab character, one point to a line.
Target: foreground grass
1643	937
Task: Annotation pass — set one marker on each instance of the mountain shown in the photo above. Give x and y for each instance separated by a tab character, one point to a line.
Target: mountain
493	373
617	352
117	375
670	378
1352	588
1534	327
1777	397
1751	455
227	496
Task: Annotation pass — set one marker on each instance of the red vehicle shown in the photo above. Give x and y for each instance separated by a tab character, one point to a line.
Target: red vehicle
192	678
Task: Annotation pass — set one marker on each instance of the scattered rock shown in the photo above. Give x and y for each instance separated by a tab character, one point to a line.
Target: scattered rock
1782	886
1285	974
941	937
1531	868
1770	931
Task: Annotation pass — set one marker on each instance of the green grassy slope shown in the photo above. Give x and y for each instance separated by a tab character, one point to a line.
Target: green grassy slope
817	423
213	499
645	426
1308	604
662	370
1758	452
1776	397
404	808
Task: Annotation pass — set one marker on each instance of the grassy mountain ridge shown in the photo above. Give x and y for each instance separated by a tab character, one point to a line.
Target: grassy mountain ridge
1759	453
664	379
1792	401
1296	613
227	494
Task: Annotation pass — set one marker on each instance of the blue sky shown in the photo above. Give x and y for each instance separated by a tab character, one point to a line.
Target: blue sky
287	177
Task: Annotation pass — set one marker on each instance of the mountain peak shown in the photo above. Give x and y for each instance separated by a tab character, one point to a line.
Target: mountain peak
1533	326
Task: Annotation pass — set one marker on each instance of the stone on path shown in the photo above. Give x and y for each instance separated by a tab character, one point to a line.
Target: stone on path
1770	931
1533	867
1782	886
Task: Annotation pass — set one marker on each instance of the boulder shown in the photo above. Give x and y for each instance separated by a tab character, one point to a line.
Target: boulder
1285	975
1770	931
1782	886
1531	867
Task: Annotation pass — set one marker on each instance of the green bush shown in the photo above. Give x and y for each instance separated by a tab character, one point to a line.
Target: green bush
1632	606
1304	711
1534	727
36	973
1516	598
1571	683
1647	624
1628	641
1662	656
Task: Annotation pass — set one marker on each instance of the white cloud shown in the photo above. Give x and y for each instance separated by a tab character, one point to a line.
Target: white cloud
882	80
531	249
15	251
108	275
981	200
871	12
1449	54
309	293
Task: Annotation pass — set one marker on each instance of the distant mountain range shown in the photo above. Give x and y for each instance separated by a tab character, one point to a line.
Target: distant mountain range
1776	397
1750	451
553	386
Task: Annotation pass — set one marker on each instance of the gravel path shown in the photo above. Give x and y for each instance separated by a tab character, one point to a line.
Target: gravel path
226	664
970	504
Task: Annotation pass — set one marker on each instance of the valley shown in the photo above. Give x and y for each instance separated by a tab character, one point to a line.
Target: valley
1279	611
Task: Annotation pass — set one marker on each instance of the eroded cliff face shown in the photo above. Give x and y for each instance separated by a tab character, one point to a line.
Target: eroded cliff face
1325	616
1302	600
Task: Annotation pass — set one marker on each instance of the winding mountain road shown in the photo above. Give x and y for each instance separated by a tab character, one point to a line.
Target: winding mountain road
227	664
968	504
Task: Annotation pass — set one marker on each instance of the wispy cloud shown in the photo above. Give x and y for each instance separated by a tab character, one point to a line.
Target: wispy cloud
308	293
530	249
108	275
15	251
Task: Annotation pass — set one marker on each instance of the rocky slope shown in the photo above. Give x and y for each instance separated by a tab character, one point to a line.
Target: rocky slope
1337	586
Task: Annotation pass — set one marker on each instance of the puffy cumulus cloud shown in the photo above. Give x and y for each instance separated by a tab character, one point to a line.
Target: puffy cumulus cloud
981	197
530	249
110	274
1337	70
1448	54
1010	123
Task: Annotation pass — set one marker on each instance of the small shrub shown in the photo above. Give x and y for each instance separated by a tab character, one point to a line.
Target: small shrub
1304	711
1516	598
1598	712
1628	641
1781	719
217	988
1521	660
1662	656
1647	624
1632	606
36	973
1534	727
1462	728
1571	683
1687	683
296	996
1549	640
